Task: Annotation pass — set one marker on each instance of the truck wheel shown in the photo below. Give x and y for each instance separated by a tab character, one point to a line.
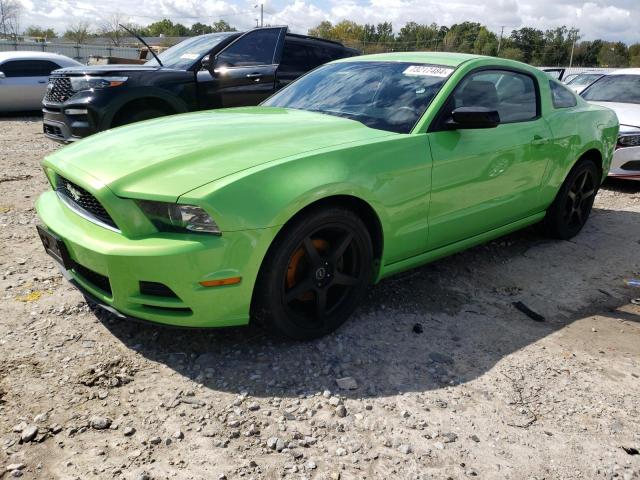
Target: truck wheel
571	208
315	274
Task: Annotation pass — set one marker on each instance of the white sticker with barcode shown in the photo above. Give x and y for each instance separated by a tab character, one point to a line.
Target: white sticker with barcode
189	56
428	71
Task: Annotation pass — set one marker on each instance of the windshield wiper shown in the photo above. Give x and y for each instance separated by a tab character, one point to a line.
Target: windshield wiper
144	43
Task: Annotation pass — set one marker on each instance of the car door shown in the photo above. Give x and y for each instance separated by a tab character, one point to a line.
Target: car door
245	71
24	83
483	179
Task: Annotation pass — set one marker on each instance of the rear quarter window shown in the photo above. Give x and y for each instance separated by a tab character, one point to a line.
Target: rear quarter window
561	96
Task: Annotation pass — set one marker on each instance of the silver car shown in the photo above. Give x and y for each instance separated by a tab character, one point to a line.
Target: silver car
582	80
24	77
620	91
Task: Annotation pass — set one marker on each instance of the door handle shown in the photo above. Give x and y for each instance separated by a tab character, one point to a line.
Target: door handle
42	81
539	140
254	75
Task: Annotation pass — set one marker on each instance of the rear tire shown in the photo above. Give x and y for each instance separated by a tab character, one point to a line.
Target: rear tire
315	274
571	208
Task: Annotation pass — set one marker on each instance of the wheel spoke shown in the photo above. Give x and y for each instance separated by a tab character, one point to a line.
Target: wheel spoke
572	196
344	279
321	302
338	252
579	215
311	251
588	194
584	181
299	289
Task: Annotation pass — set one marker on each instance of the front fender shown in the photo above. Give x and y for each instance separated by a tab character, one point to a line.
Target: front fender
118	102
392	174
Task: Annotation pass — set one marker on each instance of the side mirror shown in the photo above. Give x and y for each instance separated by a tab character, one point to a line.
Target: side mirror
2	75
205	63
474	117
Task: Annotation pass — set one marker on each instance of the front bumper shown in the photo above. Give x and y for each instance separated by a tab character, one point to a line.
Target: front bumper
110	268
626	163
59	126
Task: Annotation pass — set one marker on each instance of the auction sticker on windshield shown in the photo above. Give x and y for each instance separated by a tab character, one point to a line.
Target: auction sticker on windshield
428	71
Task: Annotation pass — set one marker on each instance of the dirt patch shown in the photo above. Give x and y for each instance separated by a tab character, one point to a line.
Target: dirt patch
442	376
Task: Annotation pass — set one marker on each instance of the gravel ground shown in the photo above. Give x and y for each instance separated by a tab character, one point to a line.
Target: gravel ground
437	376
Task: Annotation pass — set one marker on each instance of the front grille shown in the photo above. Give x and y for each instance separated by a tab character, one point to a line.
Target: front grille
52	130
58	90
92	277
87	202
632	165
156	289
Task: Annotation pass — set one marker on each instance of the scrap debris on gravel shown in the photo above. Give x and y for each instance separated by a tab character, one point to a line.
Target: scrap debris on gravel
438	376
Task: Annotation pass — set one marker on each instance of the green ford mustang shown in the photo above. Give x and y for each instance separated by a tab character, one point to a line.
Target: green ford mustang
285	212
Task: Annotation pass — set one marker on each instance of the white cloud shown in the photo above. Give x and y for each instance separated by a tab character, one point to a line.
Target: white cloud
608	19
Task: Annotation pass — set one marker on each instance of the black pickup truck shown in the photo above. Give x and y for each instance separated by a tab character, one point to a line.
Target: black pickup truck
227	69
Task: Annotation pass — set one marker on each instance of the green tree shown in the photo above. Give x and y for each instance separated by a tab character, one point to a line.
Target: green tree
512	53
486	42
634	55
586	53
414	36
222	26
613	54
200	29
323	30
35	31
530	41
166	27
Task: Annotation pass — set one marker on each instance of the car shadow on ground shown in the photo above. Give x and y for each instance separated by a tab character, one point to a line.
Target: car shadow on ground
33	115
445	323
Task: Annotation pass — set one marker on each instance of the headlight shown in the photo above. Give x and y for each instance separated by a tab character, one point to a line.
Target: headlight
629	140
173	217
88	82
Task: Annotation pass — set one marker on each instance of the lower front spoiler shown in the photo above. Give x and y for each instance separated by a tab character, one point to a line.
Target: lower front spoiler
96	302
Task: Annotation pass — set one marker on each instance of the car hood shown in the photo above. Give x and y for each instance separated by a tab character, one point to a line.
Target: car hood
628	113
107	69
167	157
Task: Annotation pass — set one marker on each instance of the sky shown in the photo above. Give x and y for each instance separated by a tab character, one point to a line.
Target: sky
606	19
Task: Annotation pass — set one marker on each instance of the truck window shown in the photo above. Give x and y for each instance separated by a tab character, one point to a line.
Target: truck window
254	48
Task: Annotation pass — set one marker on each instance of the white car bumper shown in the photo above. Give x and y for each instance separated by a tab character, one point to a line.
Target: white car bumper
626	163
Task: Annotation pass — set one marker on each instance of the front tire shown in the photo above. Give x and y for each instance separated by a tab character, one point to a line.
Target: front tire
573	203
315	274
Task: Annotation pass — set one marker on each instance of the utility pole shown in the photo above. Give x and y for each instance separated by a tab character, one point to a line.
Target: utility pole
500	40
261	15
573	46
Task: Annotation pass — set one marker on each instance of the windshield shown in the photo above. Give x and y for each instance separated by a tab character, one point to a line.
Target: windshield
615	88
384	95
183	55
584	79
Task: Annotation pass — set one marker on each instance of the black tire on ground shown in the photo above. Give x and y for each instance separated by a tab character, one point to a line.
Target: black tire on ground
571	208
138	116
315	274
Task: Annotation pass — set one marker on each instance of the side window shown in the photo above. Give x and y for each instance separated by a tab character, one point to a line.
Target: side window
254	48
28	68
512	94
296	57
561	96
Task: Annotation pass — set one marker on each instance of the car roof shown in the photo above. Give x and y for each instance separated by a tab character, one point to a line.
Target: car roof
625	71
29	55
435	58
